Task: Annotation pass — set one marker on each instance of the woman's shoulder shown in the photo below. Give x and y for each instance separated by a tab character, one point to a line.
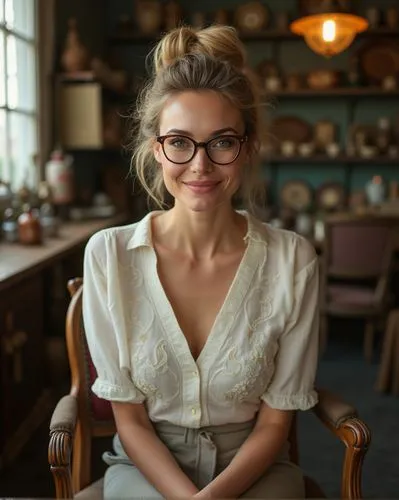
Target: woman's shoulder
117	238
288	245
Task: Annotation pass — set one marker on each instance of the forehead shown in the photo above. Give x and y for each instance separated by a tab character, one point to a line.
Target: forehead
200	112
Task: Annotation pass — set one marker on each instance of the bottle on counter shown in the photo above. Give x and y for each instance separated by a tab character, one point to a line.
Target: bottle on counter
29	227
49	221
60	181
9	226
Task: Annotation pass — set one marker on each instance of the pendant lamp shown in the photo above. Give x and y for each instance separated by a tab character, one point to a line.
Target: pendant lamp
329	29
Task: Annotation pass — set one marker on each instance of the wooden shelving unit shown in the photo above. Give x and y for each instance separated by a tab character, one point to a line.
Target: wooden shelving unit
272	34
352	94
328	160
345	92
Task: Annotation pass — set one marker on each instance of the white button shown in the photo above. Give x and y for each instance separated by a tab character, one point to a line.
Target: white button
193	411
195	373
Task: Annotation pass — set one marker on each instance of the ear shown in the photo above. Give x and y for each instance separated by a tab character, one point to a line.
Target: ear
157	148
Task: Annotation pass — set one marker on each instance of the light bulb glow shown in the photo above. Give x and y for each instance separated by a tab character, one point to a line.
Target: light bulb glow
329	30
329	34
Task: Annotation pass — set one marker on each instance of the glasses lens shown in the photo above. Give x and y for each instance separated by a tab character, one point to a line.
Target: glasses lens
178	149
224	149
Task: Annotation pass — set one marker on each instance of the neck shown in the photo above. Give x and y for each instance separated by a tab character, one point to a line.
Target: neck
201	235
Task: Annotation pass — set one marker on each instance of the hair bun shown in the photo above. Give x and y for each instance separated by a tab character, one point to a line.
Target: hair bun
174	45
221	42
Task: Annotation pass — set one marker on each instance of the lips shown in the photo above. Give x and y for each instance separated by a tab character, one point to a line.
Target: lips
201	186
201	183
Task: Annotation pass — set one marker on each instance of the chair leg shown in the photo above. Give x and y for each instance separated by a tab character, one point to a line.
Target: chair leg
368	346
387	359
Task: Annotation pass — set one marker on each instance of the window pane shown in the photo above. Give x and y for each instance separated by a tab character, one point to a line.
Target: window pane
22	148
21	74
1	11
20	16
2	70
3	155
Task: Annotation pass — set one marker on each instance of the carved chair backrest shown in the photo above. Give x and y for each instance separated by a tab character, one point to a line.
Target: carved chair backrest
95	418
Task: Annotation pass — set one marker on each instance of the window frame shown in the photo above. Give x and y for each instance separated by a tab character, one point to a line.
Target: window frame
26	171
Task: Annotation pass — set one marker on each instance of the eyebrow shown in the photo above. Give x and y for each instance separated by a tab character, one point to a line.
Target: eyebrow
213	134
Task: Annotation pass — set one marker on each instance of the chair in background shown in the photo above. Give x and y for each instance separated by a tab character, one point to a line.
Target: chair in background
388	371
81	416
355	269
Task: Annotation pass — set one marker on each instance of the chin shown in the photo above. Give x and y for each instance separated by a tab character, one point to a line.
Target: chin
202	205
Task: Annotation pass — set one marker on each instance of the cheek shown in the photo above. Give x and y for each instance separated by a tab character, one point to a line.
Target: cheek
170	172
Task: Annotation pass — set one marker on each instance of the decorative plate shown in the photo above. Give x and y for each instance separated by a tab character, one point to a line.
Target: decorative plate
330	196
379	60
252	16
296	195
291	128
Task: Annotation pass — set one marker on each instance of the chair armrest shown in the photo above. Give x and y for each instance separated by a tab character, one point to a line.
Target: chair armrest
343	421
64	415
332	410
62	427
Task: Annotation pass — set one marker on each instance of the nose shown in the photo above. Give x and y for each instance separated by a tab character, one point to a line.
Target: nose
201	163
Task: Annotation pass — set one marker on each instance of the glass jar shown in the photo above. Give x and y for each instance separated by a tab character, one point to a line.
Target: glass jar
29	227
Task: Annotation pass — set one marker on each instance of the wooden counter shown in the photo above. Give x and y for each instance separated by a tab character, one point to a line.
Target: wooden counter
18	261
33	304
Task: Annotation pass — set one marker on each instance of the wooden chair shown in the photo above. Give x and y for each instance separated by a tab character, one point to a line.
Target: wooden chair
388	371
81	416
355	271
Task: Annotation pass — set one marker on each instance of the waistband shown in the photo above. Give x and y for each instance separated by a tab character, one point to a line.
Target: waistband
169	428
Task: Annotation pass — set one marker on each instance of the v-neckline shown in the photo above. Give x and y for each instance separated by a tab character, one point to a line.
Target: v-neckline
231	304
177	328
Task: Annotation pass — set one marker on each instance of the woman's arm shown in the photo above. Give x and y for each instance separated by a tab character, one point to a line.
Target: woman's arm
148	452
255	455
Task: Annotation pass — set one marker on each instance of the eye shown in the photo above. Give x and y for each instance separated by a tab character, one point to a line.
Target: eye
223	142
178	142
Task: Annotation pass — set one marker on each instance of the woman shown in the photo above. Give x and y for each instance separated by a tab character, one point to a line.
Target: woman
201	320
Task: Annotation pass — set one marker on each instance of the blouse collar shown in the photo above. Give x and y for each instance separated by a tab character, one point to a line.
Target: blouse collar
142	236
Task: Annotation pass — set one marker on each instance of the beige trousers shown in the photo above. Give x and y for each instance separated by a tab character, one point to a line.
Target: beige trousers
202	454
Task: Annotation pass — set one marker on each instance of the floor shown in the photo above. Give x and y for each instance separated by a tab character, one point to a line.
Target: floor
342	370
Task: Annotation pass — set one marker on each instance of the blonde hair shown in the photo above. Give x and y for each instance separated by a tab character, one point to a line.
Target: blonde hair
214	59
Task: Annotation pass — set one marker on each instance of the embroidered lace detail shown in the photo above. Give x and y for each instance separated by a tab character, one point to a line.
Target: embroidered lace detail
257	300
251	371
112	392
153	368
291	402
150	390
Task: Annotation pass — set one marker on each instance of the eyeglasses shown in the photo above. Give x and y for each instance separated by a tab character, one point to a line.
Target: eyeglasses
221	150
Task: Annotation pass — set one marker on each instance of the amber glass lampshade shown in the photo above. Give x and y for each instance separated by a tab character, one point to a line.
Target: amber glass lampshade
330	33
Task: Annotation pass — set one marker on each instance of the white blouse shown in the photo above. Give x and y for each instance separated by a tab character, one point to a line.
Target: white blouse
263	345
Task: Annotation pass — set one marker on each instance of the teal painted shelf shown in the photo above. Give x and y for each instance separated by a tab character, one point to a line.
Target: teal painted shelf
341	159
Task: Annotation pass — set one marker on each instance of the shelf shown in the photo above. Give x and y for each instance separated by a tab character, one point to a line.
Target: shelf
352	92
317	159
133	38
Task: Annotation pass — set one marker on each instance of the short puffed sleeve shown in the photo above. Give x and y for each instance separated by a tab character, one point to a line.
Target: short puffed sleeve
103	324
292	384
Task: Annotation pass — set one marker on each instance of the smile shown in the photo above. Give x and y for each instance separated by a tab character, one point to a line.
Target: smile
201	187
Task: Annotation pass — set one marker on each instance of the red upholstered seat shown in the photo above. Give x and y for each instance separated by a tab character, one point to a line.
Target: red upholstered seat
100	408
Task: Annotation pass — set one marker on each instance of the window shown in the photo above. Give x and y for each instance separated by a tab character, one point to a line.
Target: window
18	92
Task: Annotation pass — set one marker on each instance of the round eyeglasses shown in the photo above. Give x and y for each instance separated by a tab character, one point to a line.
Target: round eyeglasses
221	150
